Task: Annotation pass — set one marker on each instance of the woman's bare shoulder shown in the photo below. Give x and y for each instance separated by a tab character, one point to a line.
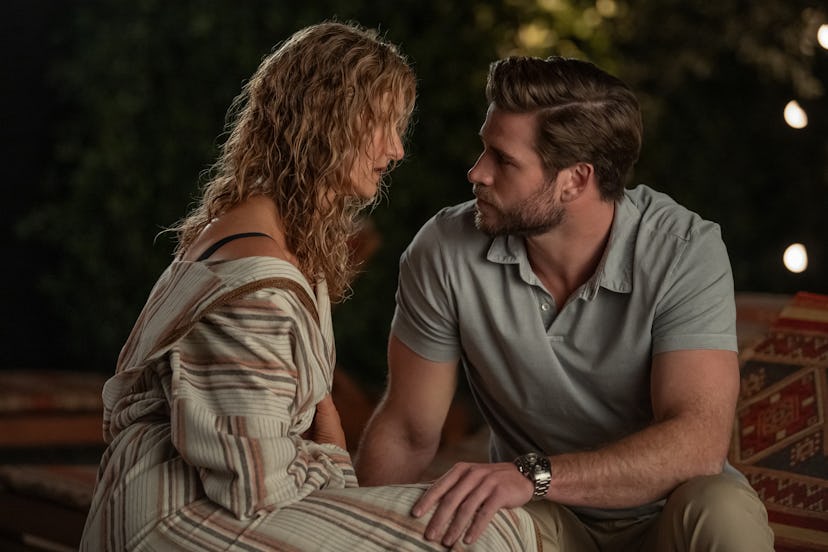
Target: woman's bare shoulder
251	229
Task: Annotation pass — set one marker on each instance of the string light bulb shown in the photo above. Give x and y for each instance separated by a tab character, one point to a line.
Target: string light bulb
822	36
795	116
795	258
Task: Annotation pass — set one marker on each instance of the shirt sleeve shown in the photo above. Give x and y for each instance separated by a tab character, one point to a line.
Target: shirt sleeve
425	318
245	383
697	309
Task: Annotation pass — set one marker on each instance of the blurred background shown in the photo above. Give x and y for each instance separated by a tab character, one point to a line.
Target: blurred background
112	110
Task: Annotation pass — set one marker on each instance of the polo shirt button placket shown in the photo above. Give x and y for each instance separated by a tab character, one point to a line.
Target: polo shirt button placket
546	314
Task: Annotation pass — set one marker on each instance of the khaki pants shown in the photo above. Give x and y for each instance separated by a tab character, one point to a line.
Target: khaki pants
715	513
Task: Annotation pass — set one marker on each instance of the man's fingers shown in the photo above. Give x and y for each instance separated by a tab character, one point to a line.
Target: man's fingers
467	498
467	512
481	520
433	494
457	505
447	509
438	489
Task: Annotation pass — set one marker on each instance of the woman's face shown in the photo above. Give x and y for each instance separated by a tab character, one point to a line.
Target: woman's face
383	146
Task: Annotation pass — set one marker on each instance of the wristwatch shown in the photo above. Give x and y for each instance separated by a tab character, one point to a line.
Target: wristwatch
536	468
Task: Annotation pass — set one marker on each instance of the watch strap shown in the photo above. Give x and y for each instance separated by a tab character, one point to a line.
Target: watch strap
536	468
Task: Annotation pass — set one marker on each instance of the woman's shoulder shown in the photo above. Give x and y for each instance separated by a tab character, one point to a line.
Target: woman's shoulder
250	229
266	277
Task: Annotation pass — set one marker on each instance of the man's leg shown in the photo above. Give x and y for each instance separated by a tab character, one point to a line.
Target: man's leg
714	513
560	529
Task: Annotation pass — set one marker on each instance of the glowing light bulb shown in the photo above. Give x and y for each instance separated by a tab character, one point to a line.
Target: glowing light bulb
795	116
822	36
795	258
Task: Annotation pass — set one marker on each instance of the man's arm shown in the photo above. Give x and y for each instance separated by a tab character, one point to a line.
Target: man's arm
403	434
694	395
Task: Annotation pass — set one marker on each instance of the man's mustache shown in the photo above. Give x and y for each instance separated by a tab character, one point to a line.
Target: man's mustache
481	193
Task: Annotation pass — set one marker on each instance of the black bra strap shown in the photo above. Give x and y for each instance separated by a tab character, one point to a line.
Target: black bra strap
213	248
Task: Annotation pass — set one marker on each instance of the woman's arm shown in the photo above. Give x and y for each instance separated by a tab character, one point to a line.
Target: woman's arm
246	381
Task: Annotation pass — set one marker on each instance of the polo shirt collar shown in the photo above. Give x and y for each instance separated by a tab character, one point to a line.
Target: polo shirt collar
507	249
615	270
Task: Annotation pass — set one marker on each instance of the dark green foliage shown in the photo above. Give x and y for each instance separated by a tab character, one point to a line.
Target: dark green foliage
715	78
143	87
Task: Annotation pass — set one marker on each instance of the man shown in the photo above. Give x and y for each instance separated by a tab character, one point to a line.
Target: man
595	325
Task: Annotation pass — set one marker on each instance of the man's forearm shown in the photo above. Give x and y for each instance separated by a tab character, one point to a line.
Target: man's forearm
386	457
638	469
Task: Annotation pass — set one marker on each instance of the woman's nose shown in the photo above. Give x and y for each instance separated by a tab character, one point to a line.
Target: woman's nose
396	150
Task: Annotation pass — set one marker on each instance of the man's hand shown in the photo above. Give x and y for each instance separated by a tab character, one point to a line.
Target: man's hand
468	496
326	427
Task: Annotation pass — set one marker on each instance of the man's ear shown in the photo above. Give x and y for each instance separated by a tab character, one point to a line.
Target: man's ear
576	179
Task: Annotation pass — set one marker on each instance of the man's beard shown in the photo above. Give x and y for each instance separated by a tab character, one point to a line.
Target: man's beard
534	215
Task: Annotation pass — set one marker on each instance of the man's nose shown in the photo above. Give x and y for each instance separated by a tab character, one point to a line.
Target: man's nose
477	174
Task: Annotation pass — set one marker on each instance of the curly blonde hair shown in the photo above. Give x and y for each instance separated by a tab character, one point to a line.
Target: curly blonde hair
294	133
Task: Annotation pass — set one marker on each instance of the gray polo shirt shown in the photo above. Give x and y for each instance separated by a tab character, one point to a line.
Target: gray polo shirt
566	378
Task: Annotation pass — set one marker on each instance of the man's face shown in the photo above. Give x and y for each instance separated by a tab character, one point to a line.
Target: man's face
514	193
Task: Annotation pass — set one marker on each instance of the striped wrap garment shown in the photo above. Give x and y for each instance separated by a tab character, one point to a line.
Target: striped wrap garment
204	420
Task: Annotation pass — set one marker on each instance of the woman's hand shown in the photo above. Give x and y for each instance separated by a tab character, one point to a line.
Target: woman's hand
327	427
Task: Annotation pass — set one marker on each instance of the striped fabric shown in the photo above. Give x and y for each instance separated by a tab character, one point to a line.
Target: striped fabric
204	420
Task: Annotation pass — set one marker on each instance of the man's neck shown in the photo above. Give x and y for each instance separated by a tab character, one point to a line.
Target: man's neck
568	255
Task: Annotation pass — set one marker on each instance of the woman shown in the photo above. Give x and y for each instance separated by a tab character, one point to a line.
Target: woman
221	431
